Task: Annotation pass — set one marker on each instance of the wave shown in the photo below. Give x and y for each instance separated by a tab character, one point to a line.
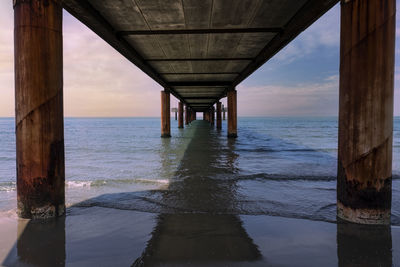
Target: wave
8	186
286	177
151	202
271	150
102	182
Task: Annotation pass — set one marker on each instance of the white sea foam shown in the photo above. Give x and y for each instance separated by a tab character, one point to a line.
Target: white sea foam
75	184
7	187
153	181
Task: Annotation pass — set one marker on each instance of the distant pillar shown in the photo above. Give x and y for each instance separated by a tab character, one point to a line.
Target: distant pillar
364	182
219	117
223	112
210	114
213	115
186	115
176	115
180	115
165	114
39	108
204	116
232	114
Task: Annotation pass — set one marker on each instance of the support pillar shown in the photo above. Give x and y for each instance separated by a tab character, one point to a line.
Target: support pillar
223	112
364	184
213	115
186	115
219	117
180	115
232	114
39	108
165	114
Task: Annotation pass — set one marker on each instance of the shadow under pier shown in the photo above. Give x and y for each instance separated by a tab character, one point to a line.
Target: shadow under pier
203	228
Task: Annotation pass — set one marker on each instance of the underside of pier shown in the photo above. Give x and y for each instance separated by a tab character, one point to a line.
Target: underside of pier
198	50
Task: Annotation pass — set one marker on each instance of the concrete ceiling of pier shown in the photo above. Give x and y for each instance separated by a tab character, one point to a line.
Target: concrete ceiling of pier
198	49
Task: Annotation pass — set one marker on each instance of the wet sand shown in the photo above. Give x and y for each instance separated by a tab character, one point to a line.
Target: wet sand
199	218
109	237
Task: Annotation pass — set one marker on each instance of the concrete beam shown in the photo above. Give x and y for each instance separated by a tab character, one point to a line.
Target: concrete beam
39	108
200	31
364	184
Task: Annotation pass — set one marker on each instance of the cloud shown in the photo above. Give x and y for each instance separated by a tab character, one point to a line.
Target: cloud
6	60
305	99
325	32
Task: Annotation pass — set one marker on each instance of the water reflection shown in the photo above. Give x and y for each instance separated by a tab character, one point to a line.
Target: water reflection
40	243
203	193
364	245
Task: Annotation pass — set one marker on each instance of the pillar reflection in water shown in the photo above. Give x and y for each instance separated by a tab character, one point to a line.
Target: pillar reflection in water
200	225
364	245
40	243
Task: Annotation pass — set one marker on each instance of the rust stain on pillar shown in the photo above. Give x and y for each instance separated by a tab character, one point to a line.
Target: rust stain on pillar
232	114
219	115
165	114
39	108
180	115
366	111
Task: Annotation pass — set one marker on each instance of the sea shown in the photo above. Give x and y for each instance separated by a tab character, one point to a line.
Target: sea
278	166
266	198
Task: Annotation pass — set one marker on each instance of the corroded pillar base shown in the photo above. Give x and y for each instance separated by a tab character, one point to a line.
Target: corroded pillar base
363	216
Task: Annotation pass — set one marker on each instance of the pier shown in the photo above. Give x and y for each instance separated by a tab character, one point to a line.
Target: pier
199	52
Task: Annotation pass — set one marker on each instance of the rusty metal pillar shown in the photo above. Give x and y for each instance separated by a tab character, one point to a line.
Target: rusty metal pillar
219	117
165	114
180	115
223	112
364	184
39	108
232	114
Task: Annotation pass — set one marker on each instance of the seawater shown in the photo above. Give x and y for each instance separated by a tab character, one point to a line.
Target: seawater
277	166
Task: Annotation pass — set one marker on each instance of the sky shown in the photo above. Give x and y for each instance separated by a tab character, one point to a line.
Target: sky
301	80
